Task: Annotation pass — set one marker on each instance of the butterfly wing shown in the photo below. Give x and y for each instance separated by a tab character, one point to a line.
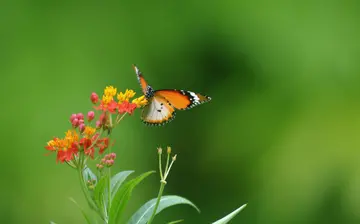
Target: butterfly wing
142	81
181	99
158	111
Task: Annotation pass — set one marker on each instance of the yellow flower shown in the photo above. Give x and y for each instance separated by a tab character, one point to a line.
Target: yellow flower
55	143
89	131
110	91
130	93
140	101
70	137
126	96
106	99
51	143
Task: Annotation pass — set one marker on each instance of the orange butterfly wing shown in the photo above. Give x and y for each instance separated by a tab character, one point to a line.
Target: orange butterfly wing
141	79
181	99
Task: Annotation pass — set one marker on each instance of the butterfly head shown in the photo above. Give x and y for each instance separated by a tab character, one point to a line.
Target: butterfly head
149	92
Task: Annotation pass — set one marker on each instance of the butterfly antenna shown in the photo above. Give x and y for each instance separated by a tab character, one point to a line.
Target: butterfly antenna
137	71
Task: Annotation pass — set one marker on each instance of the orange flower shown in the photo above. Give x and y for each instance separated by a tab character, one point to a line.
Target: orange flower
66	148
126	107
67	154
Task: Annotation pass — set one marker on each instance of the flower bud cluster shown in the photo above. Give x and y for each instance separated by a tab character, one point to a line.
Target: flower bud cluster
107	161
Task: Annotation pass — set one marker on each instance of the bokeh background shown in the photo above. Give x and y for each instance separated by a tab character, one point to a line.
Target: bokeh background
281	133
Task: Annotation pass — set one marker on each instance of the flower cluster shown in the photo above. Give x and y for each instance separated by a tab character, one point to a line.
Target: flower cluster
123	104
85	138
107	161
65	147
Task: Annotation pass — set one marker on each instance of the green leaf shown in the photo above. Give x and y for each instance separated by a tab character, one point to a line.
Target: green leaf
122	197
230	216
177	221
144	213
117	181
99	195
82	210
88	175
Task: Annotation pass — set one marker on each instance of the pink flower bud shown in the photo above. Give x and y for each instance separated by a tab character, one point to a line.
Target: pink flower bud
94	98
90	115
81	121
113	155
80	116
109	162
75	122
72	117
103	160
98	124
82	127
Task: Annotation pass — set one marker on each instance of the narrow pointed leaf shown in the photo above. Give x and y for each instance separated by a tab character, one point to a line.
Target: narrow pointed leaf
82	210
118	180
144	213
175	222
230	216
99	195
122	197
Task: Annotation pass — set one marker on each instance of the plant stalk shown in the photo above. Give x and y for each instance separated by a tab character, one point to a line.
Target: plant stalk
162	186
160	168
109	190
84	190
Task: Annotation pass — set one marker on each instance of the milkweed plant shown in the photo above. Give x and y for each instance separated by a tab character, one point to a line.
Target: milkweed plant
106	193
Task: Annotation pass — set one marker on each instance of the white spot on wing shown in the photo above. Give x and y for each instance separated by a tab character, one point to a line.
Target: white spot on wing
195	97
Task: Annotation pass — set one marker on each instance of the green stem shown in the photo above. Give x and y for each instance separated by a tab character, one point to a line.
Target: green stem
168	171
118	120
160	168
167	163
162	186
109	191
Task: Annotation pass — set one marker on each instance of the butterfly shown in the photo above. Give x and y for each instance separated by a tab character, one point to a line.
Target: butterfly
161	105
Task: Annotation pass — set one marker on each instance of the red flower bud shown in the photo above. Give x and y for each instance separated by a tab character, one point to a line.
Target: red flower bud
72	117
94	98
75	122
98	124
90	115
81	121
82	127
80	116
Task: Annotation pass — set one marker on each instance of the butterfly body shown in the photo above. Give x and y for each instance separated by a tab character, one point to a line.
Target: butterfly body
162	103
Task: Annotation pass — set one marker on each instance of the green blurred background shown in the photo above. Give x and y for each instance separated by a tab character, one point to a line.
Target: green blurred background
281	133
